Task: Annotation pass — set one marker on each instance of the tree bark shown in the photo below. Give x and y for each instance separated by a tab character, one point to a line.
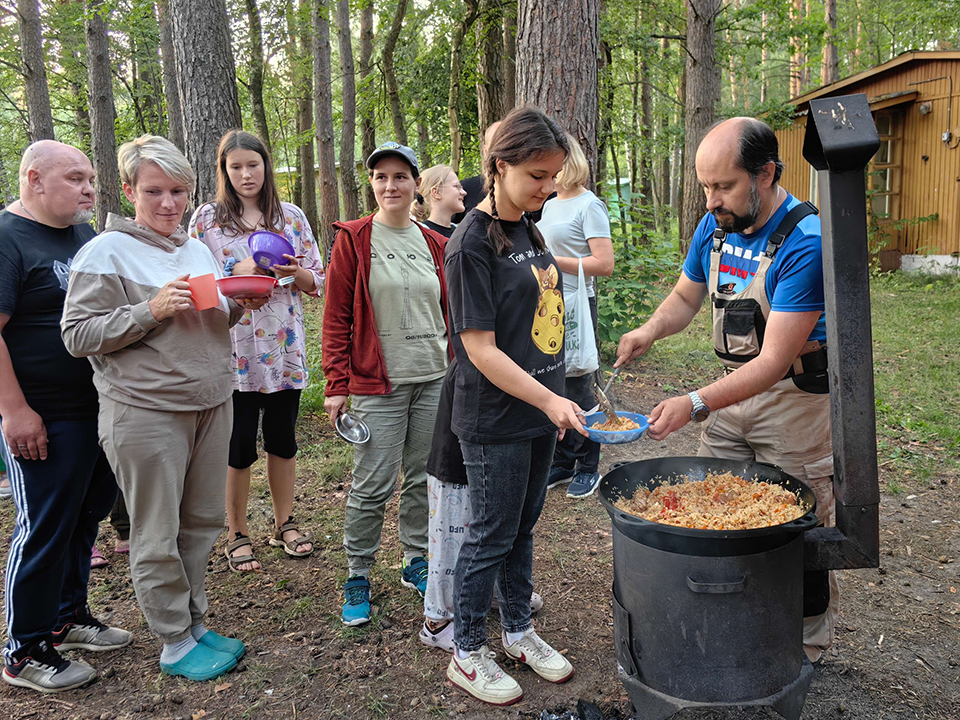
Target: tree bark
509	56
557	48
649	208
348	117
207	80
323	112
796	59
34	71
390	73
490	90
368	140
663	171
305	154
605	111
764	60
171	92
702	94
831	63
456	70
102	113
256	69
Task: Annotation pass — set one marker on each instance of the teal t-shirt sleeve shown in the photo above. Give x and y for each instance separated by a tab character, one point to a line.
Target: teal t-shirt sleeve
799	275
697	264
596	220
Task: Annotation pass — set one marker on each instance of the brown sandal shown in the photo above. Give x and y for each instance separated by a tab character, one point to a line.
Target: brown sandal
234	562
290	547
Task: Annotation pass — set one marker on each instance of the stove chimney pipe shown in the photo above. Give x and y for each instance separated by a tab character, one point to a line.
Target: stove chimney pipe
840	140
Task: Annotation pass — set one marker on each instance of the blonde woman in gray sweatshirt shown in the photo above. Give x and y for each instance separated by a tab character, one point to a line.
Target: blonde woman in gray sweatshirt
163	373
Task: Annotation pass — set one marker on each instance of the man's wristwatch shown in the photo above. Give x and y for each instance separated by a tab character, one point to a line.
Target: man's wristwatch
700	411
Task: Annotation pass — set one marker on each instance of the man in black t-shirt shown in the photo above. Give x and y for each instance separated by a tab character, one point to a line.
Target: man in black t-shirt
61	482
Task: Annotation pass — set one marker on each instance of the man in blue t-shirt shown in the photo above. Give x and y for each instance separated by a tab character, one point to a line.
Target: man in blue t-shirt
757	255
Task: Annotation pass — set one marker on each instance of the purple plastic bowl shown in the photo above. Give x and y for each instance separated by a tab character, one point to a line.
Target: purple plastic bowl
269	248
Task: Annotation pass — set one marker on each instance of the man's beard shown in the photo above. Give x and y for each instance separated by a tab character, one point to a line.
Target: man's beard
739	223
82	216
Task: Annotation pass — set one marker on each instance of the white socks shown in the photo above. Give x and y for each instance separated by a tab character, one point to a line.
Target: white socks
409	557
198	631
174	652
513	638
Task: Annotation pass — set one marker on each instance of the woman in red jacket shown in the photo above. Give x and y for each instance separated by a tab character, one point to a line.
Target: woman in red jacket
385	351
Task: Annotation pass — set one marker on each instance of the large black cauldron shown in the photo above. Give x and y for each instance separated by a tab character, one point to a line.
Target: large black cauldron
707	617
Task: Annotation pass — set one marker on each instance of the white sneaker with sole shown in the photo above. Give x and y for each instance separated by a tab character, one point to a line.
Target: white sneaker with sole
545	661
442	639
480	676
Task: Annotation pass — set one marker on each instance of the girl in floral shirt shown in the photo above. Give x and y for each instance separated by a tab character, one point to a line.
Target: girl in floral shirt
268	345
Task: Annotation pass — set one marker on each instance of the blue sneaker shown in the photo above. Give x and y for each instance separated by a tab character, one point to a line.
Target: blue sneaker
558	476
230	646
201	663
414	575
356	608
583	485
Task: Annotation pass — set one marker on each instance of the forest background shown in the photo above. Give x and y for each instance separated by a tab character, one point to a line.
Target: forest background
323	82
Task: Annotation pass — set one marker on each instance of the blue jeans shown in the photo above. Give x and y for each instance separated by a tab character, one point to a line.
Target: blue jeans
60	502
507	485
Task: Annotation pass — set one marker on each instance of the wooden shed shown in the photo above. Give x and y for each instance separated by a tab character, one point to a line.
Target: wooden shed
915	174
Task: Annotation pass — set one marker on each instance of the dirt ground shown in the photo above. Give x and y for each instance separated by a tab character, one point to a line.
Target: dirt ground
897	653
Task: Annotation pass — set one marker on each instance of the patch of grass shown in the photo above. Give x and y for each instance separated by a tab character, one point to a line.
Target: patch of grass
311	400
379	705
294	611
894	487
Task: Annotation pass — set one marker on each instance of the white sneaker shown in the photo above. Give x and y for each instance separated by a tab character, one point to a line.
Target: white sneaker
545	661
442	639
480	676
85	632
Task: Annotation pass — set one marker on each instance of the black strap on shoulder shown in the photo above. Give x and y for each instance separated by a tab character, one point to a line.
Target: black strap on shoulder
787	226
719	236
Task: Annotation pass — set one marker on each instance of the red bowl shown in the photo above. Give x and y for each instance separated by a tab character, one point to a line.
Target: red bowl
246	286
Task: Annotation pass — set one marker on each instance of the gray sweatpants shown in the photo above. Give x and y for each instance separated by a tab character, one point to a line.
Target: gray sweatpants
401	431
172	468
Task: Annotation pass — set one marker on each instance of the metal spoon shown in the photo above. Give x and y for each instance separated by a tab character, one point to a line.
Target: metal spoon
612	378
605	403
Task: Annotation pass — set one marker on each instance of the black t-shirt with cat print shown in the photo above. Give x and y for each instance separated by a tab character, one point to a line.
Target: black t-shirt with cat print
519	297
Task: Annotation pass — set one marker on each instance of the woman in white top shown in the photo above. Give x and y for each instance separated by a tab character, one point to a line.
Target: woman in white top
576	227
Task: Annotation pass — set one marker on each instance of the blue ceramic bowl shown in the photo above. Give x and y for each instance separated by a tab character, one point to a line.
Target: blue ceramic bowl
616	438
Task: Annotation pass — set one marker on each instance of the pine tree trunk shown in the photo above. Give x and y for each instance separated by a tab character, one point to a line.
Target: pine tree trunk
456	71
305	154
605	131
34	71
102	113
702	95
649	209
368	140
301	77
489	65
509	56
764	60
323	113
348	117
831	64
663	170
256	70
390	73
171	92
557	48
207	80
796	58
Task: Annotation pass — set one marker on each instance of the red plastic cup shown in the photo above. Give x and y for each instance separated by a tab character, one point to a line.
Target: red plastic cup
204	291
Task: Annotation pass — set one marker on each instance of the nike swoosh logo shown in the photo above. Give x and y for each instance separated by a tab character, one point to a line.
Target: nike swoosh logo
471	676
523	657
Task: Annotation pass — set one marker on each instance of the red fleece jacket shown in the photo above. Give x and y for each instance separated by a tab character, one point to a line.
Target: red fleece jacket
352	356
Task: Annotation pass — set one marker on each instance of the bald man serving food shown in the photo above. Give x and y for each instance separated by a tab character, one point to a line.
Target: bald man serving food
757	254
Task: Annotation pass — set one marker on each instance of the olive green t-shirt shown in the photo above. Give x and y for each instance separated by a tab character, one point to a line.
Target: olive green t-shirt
405	291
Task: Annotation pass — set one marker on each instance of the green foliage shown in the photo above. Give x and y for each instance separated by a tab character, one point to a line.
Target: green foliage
642	275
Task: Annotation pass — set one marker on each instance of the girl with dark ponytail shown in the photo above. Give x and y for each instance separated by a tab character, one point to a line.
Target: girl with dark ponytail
506	309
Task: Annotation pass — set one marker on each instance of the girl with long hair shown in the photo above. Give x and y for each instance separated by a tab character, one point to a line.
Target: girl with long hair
576	228
269	353
440	197
506	312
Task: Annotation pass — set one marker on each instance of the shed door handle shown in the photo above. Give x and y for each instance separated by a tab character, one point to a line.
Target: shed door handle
716	588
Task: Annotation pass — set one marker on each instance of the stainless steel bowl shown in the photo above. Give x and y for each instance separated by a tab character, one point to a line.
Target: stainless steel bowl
352	430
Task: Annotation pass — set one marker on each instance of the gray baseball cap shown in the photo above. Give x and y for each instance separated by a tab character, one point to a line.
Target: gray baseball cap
393	148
